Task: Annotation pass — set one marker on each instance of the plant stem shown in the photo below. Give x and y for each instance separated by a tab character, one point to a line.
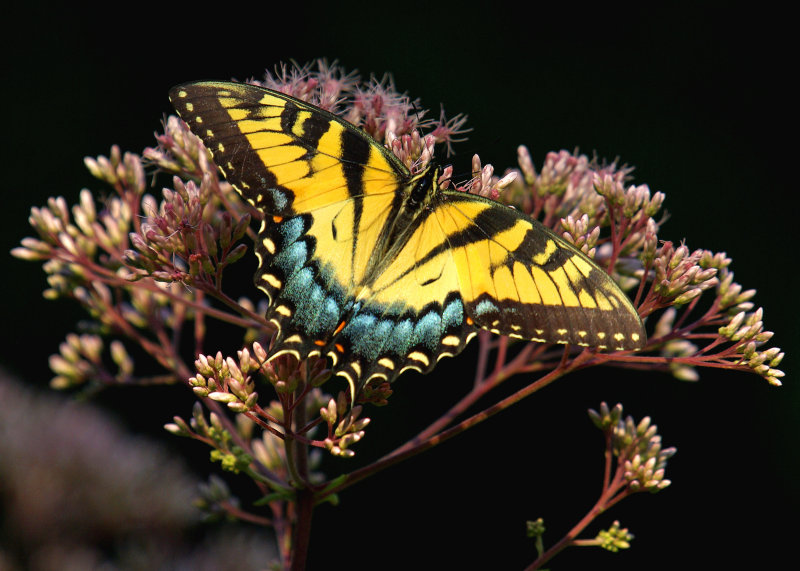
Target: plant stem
570	537
480	388
297	460
418	445
610	496
302	528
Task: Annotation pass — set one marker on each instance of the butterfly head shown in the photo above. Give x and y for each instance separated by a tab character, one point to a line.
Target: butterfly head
424	185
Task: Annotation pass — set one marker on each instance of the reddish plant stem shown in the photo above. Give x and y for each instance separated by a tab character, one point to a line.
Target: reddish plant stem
569	538
242	515
478	391
304	501
297	462
199	324
610	496
483	357
429	438
609	458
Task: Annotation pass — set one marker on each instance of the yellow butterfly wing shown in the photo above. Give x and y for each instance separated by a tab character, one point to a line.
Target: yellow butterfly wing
330	195
289	158
518	278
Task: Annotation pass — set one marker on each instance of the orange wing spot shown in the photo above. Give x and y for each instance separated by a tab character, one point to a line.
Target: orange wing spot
470	321
277	219
319	343
339	347
340	327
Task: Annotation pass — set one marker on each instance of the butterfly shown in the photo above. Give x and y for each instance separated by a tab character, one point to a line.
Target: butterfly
381	270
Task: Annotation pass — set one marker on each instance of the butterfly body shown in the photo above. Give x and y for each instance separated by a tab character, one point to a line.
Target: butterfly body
382	270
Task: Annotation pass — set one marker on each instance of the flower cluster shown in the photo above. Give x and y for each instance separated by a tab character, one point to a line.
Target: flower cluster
637	446
681	276
614	538
578	197
178	228
216	432
226	381
345	428
645	460
148	270
80	361
594	206
640	465
328	86
375	106
181	152
139	265
483	181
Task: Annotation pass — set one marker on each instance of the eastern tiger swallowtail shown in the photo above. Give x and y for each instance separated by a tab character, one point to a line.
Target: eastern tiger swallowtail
381	270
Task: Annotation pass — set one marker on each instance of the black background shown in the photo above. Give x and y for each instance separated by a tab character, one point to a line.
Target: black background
697	99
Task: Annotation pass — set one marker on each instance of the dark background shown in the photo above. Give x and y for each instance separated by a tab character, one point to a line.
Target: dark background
696	99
